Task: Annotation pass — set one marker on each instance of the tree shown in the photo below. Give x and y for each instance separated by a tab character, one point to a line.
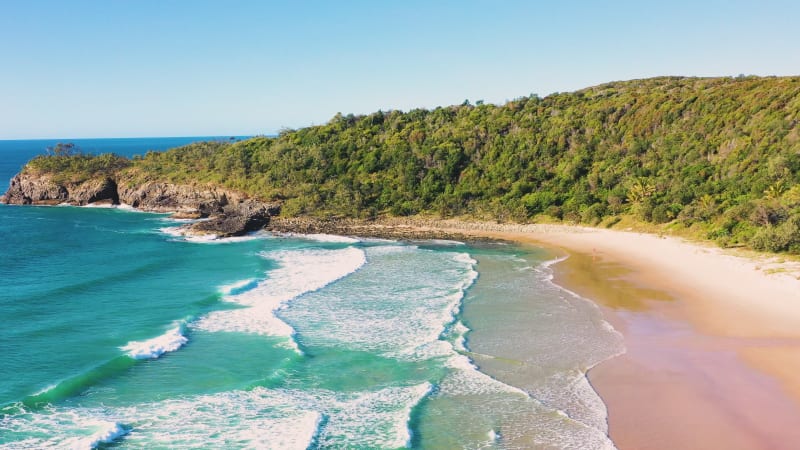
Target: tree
63	149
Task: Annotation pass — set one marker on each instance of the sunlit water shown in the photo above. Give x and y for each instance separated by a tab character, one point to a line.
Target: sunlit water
118	333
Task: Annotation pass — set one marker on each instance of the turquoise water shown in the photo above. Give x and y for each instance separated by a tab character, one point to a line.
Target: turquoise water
116	333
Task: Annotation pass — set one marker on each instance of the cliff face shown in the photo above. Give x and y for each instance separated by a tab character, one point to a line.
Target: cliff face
229	213
29	190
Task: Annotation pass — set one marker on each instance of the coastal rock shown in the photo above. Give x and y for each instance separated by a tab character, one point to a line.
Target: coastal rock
384	229
237	219
26	189
229	213
100	190
167	197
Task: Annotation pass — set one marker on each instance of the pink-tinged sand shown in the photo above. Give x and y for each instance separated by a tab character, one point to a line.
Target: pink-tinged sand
713	339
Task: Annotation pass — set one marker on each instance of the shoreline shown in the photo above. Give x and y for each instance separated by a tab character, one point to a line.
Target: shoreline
713	339
712	335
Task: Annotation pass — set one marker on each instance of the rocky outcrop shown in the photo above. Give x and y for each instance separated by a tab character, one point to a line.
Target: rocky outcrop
34	190
101	190
237	219
229	213
168	197
385	229
28	189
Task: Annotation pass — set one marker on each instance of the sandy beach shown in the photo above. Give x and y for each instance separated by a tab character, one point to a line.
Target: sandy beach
712	338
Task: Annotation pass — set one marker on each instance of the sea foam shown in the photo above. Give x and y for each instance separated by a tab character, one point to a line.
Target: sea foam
320	237
238	287
61	428
157	346
107	432
181	233
299	272
258	418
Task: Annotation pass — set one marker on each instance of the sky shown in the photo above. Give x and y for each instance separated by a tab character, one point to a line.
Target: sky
78	69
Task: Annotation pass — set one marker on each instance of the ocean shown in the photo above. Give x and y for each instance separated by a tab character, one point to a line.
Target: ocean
116	333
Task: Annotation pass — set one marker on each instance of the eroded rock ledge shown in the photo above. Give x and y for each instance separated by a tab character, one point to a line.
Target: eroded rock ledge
229	213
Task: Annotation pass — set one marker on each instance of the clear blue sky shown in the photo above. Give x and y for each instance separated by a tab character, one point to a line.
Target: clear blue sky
104	68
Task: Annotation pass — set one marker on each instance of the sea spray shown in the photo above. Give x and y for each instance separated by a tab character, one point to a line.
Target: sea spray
153	348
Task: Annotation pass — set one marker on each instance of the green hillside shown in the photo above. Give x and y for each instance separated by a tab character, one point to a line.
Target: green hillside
718	155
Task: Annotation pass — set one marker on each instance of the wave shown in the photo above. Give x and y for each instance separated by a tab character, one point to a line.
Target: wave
569	391
59	428
238	287
107	433
259	418
100	205
214	239
319	237
153	348
444	242
119	207
78	383
459	332
180	233
404	305
299	272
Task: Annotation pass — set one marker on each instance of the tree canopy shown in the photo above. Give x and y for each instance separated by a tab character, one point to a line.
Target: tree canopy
719	155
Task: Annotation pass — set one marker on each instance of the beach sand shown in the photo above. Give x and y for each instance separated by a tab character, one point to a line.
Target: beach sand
713	339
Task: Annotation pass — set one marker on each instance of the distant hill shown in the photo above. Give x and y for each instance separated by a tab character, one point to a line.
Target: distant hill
720	156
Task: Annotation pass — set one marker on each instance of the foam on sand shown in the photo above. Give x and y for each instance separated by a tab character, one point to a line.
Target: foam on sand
153	348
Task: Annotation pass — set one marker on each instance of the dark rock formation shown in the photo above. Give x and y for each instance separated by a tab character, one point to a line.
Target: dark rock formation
229	213
101	190
237	219
167	197
33	190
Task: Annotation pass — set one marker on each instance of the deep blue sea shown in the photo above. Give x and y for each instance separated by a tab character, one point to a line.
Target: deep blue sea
116	333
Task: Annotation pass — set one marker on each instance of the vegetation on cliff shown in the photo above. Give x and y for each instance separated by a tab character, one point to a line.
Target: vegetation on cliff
718	155
68	164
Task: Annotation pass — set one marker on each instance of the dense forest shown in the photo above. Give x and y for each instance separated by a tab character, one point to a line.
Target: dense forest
717	156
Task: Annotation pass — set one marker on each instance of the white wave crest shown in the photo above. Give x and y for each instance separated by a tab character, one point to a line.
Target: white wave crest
319	237
280	419
299	272
260	418
445	242
153	348
238	286
182	233
214	239
107	432
465	379
59	428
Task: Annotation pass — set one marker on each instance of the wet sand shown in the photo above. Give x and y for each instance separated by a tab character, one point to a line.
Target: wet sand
713	340
676	386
